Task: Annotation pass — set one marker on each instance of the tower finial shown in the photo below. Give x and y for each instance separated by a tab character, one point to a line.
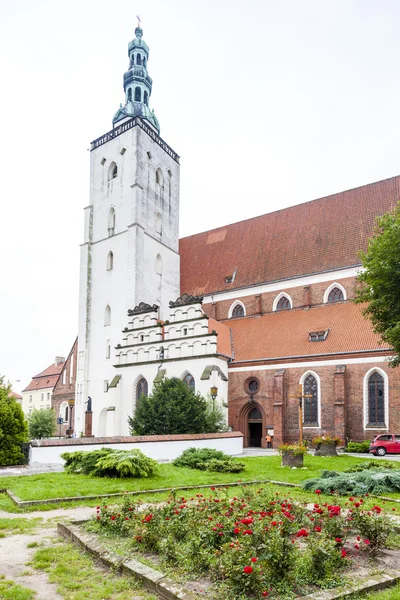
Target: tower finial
139	20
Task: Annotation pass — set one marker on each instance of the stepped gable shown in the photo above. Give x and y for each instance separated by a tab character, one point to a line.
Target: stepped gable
317	236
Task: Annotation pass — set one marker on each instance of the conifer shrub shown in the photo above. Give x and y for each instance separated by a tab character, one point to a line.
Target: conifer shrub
208	459
107	462
369	481
381	465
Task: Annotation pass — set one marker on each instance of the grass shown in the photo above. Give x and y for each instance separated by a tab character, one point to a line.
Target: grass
78	578
13	526
391	593
12	591
62	485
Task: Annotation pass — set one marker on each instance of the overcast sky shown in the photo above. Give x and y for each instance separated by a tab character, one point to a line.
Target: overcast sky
269	103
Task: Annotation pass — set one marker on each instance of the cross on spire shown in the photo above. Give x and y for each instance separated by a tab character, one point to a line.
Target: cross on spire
139	20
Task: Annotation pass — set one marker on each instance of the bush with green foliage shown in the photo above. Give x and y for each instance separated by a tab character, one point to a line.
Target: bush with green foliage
381	465
358	446
208	459
107	462
13	428
173	408
370	481
41	423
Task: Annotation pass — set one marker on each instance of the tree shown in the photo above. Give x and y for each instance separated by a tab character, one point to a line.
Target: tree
41	423
171	408
380	281
13	428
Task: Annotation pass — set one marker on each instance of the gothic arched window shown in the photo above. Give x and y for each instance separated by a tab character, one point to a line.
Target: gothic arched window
107	316
110	261
376	400
310	405
108	349
138	94
238	311
283	303
159	177
129	94
138	59
158	265
255	415
189	381
335	295
141	389
145	97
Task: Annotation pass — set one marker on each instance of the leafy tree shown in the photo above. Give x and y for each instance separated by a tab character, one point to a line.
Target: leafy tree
215	420
41	423
171	408
380	281
13	428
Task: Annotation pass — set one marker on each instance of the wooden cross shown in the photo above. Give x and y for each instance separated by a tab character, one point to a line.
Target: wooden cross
300	397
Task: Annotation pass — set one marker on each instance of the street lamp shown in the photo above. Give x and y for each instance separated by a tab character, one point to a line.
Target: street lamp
213	394
71	404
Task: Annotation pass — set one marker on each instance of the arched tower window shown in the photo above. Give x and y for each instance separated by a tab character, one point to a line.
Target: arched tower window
111	222
138	94
138	59
142	388
129	94
145	97
159	265
64	411
159	177
108	349
110	261
107	316
238	311
282	302
310	405
376	400
133	59
335	295
188	380
144	61
158	223
112	171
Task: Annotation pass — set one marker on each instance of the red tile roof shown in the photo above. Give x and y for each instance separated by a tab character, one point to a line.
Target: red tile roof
285	334
14	395
313	237
45	379
224	336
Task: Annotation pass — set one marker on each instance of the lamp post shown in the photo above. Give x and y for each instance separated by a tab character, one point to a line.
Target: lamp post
213	394
71	404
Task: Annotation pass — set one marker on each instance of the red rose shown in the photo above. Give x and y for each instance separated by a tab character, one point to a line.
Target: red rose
248	569
254	559
344	553
112	518
338	540
318	492
317	529
356	546
265	594
367	542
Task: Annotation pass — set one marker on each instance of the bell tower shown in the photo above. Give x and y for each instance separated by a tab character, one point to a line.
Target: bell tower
130	248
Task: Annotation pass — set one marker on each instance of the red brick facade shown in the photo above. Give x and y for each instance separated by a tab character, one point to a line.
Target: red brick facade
64	390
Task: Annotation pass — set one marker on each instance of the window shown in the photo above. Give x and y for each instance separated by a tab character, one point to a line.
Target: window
64	377
48	395
141	337
108	349
255	415
251	386
188	380
159	265
141	388
159	177
107	316
138	59
385	438
111	222
30	398
105	388
158	223
66	414
335	295
129	94
283	303
110	261
185	331
318	336
112	171
103	161
310	405
238	311
42	397
376	400
138	94
145	98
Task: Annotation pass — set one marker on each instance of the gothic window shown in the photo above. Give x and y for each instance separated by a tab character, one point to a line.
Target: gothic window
108	349
141	388
138	94
283	303
189	381
111	222
159	177
133	59
158	223
138	59
64	412
310	405
255	415
376	400
110	261
335	295
238	311
107	316
144	61
129	94
145	98
158	265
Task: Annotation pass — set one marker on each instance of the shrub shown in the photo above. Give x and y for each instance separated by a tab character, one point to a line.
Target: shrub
358	446
13	429
373	526
110	463
208	459
368	481
41	423
384	465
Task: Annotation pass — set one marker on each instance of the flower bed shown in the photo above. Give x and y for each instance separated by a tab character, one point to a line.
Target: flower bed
254	545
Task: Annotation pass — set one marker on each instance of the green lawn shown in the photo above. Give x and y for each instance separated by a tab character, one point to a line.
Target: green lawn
12	591
62	485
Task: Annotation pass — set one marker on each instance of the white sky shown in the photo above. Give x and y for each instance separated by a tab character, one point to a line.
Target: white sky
269	103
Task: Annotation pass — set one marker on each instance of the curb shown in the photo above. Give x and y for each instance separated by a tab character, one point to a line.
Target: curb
376	582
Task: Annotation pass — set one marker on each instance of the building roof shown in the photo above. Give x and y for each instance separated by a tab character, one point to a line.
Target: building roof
313	237
224	336
285	334
14	395
45	379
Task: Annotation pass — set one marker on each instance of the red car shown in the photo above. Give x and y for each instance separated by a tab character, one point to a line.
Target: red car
386	443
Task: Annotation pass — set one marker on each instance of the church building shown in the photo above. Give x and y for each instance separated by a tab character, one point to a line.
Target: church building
253	310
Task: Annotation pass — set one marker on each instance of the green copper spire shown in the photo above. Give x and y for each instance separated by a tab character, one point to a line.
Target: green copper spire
137	84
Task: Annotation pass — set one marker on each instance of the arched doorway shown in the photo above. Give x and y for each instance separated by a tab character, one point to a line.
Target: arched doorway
255	427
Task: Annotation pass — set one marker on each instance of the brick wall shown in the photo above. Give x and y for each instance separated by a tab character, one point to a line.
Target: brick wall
64	392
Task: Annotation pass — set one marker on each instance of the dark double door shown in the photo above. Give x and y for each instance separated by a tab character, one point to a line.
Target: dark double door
255	434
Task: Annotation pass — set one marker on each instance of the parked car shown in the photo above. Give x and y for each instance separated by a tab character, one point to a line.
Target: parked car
386	443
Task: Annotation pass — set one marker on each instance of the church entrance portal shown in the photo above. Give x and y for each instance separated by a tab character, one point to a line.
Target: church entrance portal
255	428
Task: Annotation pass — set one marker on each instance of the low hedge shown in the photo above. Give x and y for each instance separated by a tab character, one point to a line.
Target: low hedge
208	459
107	462
362	447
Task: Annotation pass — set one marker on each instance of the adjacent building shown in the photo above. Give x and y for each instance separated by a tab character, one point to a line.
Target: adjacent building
37	395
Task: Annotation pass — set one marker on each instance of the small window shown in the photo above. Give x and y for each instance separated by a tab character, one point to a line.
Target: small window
141	337
169	173
122	151
107	316
189	381
103	161
108	349
133	59
48	395
283	303
229	279
148	155
159	265
318	336
66	414
159	177
138	59
110	261
30	398
335	295
111	222
114	172
105	386
185	331
158	223
251	386
238	311
145	97
129	94
138	94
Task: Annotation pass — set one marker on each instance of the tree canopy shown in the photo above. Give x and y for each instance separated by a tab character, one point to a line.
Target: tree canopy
379	282
42	423
13	428
173	408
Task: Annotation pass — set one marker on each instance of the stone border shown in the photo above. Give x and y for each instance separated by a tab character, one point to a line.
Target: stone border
22	503
154	580
158	582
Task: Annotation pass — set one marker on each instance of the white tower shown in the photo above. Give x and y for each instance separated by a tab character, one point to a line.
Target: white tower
130	249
